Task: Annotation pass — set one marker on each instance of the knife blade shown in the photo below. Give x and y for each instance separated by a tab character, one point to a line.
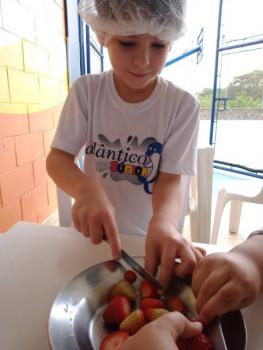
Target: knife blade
140	270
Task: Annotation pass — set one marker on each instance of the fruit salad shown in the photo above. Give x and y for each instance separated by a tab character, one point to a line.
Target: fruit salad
130	308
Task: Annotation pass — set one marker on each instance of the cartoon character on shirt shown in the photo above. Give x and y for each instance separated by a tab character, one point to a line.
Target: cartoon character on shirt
127	160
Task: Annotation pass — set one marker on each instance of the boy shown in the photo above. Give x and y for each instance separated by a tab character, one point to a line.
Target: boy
139	132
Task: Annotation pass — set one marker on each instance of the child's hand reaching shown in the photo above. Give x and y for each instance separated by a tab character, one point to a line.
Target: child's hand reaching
224	282
94	216
163	333
163	245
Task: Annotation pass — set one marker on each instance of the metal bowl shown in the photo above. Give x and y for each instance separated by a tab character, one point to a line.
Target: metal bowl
75	321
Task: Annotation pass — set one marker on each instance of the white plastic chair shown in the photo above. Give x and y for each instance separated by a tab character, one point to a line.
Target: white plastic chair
200	200
64	200
237	193
197	205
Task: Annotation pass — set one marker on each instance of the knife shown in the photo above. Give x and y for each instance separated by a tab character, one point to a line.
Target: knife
140	270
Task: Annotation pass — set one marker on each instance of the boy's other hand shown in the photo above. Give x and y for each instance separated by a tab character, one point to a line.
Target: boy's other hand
163	245
94	216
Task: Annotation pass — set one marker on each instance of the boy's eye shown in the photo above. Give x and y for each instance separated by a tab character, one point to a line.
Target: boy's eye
159	46
127	43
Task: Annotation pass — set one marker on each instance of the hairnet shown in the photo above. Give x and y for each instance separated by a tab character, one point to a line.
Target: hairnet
163	19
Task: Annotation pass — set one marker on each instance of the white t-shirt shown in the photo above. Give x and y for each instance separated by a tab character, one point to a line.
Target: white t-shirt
128	143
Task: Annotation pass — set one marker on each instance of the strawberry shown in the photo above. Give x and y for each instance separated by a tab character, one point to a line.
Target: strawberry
201	342
152	314
133	322
130	276
147	290
124	288
182	344
117	310
151	303
174	304
114	341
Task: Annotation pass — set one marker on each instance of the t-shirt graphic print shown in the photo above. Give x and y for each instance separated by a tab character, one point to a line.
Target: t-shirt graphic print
134	162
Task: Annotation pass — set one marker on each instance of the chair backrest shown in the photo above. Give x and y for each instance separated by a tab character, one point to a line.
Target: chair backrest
185	192
203	193
204	183
64	200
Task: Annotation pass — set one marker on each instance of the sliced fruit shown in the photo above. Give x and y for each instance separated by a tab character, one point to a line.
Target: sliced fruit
125	289
117	310
174	304
201	342
133	322
114	341
151	303
130	276
152	314
147	290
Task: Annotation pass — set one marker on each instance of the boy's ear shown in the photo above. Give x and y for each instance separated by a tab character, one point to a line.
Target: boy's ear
101	38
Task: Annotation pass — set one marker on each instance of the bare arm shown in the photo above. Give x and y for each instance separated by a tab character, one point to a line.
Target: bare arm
92	212
252	249
229	281
66	174
167	197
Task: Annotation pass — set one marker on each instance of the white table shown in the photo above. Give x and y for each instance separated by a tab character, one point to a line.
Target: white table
36	261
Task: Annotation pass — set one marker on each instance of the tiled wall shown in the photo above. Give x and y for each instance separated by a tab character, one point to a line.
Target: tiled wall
33	86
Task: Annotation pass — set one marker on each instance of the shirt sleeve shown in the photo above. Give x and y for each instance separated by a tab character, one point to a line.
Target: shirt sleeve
71	133
180	146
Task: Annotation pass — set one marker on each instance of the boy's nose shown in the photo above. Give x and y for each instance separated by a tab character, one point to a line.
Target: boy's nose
141	58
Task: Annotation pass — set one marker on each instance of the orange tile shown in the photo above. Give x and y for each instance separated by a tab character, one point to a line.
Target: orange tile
15	183
41	120
48	138
40	172
12	124
44	213
7	155
56	113
34	201
10	215
29	147
52	194
31	217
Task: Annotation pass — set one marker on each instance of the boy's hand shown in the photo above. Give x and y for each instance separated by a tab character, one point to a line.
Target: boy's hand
163	333
94	216
163	245
224	282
